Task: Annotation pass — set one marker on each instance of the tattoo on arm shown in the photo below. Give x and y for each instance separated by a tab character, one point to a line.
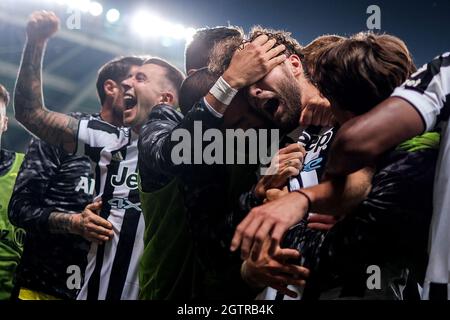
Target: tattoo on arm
60	222
53	127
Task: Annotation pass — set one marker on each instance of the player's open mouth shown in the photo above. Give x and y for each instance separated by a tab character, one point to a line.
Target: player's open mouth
271	106
130	101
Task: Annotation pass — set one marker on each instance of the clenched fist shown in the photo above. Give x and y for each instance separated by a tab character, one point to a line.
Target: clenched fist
287	162
42	25
317	112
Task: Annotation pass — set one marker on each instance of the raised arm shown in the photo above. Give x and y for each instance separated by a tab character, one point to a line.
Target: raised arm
248	65
53	127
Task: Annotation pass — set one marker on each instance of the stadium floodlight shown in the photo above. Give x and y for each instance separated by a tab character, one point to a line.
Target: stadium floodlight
82	5
113	15
146	24
175	31
95	8
189	34
62	2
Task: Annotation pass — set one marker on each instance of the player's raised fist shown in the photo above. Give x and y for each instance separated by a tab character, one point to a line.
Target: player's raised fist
42	25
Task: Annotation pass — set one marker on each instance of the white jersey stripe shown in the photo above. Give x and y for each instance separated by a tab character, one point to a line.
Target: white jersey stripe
117	165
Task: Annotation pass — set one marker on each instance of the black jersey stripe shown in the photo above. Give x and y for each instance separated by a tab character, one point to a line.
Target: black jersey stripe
94	280
112	169
124	251
103	126
438	291
427	76
94	154
445	112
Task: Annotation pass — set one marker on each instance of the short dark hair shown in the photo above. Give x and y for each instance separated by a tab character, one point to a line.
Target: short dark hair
363	70
198	51
195	87
4	95
222	53
173	74
116	70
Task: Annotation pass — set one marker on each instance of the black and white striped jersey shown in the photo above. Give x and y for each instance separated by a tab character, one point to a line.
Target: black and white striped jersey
428	90
112	270
317	142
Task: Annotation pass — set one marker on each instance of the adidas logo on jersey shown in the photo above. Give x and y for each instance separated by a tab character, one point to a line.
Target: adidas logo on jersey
117	157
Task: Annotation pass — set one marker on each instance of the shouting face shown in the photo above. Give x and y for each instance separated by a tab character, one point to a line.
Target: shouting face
142	91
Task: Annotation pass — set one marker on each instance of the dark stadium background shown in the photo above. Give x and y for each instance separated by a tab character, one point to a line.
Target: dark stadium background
74	56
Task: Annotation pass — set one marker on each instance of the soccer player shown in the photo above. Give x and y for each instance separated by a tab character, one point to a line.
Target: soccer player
169	268
157	169
420	104
112	270
11	237
49	199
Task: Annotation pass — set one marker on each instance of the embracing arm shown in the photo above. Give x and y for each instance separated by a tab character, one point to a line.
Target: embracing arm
55	128
276	217
362	140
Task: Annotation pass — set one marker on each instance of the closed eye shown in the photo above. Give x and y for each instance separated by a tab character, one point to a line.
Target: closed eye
140	77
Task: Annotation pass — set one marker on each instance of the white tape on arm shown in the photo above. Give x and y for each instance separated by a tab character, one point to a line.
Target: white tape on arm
223	92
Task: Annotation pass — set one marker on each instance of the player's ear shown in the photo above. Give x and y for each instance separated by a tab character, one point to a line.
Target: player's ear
167	98
110	86
295	64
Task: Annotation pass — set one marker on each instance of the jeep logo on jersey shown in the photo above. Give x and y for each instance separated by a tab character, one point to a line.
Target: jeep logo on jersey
123	178
122	203
320	142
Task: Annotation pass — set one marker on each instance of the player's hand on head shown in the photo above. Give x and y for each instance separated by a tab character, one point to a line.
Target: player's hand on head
42	25
252	62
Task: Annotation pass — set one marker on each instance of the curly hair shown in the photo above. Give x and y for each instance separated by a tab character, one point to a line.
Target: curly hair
363	70
223	51
281	37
